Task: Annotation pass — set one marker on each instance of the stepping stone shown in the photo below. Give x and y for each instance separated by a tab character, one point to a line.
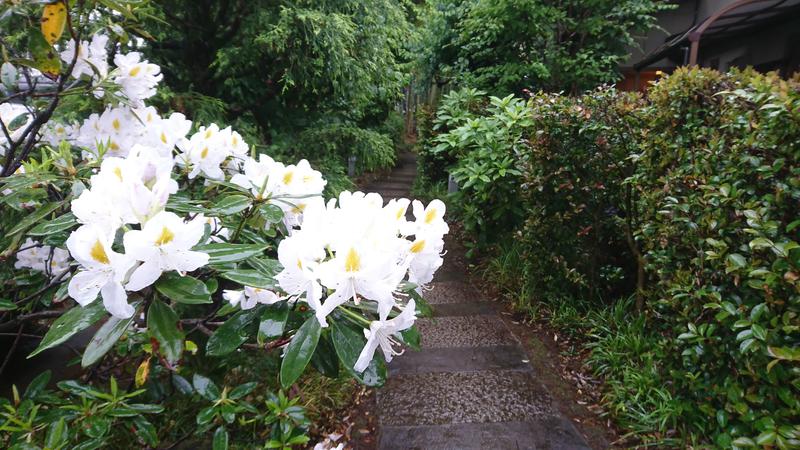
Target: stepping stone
451	291
545	434
463	397
466	331
460	359
464	309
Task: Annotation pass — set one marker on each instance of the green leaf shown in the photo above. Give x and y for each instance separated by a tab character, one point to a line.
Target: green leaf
231	204
411	337
45	57
272	213
205	387
162	323
252	278
325	360
744	442
423	308
61	223
183	289
348	343
785	353
273	321
242	390
37	385
105	338
231	334
220	439
760	243
268	267
57	434
7	305
34	217
759	332
76	319
220	253
299	352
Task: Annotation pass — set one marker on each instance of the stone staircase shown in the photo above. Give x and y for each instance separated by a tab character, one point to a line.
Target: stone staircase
471	386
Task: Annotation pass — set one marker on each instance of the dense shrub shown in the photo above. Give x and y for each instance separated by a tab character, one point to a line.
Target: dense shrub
687	199
719	177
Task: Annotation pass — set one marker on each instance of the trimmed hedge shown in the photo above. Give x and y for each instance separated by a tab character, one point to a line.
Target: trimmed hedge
687	199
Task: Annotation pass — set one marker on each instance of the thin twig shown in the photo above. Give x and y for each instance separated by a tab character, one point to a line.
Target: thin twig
11	350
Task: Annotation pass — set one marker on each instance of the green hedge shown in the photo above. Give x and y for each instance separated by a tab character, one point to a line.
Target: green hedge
687	199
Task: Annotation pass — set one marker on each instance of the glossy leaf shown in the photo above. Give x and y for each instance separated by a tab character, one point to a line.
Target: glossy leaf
73	321
104	339
162	323
273	321
220	253
183	289
299	352
348	343
232	334
231	204
252	278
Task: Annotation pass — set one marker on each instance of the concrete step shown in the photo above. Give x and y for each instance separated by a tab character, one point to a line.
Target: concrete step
451	291
545	434
460	359
465	331
463	397
464	309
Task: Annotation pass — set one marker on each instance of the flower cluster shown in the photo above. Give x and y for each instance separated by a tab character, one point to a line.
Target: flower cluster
360	250
52	261
351	254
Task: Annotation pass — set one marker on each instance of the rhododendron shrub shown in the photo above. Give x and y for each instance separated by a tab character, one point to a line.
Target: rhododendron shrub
141	226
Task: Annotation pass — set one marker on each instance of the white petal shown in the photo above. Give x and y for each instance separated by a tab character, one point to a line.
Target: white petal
367	353
115	300
86	284
144	276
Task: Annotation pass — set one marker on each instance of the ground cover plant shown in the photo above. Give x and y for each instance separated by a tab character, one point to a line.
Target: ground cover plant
208	277
683	205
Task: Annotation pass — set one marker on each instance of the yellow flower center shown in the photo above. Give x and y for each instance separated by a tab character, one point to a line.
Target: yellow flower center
118	173
209	133
418	246
166	236
98	253
163	137
299	264
135	71
113	146
353	261
204	153
400	212
430	215
287	177
116	124
235	141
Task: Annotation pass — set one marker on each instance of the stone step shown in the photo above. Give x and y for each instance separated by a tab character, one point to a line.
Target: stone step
451	291
460	359
463	397
466	331
546	434
464	309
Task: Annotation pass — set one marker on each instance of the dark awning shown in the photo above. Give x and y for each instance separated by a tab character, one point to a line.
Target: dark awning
750	16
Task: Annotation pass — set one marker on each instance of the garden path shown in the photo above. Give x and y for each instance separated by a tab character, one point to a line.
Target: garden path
472	385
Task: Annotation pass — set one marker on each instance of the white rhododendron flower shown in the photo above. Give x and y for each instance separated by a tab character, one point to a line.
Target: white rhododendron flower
426	258
255	176
137	78
102	271
163	244
249	297
53	261
430	219
382	333
92	57
15	118
205	152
